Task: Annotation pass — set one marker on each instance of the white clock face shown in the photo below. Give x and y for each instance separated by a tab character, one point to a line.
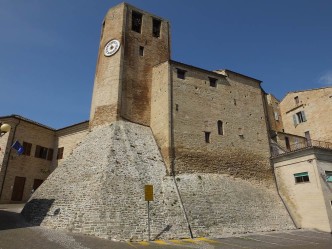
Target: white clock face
111	47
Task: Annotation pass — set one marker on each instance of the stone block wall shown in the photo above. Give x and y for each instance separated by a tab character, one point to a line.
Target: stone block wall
99	190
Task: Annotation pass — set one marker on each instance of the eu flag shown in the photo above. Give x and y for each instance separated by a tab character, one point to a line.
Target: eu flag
18	147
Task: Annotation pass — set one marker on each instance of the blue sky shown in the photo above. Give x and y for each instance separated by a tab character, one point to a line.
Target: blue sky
48	48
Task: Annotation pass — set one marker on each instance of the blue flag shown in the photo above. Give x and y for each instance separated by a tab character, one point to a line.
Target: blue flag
18	147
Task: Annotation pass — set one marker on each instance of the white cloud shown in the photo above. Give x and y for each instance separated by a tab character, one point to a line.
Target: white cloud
326	79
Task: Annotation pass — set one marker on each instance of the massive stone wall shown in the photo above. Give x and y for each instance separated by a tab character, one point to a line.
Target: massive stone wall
242	148
99	190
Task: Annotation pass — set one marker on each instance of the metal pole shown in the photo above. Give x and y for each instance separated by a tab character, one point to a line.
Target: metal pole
149	220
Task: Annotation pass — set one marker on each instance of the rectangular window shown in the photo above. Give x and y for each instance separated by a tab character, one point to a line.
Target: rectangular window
276	116
27	148
136	21
141	50
181	74
220	127
156	24
299	117
60	153
50	154
213	82
41	152
296	99
328	176
301	177
207	136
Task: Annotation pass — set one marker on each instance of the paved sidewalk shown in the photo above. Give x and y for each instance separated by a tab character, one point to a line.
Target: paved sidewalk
15	233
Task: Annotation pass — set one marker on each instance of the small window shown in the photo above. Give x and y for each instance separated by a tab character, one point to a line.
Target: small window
220	127
136	21
27	148
50	154
213	82
296	99
156	24
328	176
141	51
181	74
60	153
301	177
299	117
41	152
176	107
276	116
207	136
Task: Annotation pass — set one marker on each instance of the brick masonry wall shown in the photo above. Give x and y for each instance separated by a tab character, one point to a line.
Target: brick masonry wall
137	69
160	110
317	105
99	190
243	149
69	138
105	105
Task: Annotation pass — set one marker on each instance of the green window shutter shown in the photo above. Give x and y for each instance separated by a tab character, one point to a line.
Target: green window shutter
301	174
295	120
329	178
303	116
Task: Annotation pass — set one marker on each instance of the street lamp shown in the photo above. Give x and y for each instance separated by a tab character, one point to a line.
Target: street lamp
4	128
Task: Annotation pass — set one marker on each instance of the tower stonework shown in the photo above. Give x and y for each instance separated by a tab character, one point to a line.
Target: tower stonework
122	87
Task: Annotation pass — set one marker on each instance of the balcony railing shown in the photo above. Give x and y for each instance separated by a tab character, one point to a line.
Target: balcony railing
299	146
310	143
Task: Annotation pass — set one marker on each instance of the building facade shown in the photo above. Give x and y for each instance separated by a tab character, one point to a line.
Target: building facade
301	150
44	149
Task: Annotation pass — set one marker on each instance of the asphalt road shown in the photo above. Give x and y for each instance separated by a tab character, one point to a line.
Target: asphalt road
15	233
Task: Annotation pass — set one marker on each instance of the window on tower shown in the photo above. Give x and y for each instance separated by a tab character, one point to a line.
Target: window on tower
156	24
136	21
181	74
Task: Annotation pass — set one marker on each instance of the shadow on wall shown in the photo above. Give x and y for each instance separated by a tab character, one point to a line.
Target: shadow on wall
37	209
166	229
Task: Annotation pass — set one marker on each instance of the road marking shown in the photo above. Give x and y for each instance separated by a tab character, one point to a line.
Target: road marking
190	240
176	241
143	243
207	240
160	242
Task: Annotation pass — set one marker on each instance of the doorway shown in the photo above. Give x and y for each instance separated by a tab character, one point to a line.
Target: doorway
36	184
18	188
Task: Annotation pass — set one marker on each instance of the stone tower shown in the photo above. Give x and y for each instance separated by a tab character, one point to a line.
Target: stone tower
132	42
